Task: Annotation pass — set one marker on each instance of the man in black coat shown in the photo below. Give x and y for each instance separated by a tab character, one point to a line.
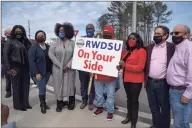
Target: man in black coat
8	79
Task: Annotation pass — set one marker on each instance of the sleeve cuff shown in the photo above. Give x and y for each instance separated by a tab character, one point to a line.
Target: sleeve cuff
187	94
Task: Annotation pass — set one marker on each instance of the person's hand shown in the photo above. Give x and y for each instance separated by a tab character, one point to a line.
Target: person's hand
38	77
118	67
91	74
184	100
122	63
65	69
12	72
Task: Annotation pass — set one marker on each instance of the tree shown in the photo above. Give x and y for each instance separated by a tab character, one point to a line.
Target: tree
102	21
149	15
161	13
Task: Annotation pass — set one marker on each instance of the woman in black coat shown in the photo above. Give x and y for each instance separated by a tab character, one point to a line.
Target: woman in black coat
17	65
40	66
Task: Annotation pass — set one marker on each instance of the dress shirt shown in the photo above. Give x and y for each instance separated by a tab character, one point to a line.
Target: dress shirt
158	62
179	72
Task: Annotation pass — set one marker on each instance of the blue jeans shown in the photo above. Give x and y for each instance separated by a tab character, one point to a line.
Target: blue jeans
158	98
100	88
42	83
182	113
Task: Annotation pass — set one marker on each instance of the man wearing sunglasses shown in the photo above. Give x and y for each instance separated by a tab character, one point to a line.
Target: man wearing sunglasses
158	57
85	77
179	77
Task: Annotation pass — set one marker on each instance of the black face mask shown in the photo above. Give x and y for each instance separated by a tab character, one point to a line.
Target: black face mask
107	37
40	39
157	39
18	35
177	39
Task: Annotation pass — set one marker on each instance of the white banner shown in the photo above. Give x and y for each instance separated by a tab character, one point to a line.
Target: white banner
100	56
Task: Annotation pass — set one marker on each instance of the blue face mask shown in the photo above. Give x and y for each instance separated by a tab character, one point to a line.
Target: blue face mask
61	35
90	33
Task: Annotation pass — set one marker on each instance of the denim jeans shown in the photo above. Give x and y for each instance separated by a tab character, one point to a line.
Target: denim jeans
100	88
158	98
182	113
42	83
118	83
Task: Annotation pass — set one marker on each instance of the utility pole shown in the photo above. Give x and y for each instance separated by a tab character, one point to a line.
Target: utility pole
134	16
29	29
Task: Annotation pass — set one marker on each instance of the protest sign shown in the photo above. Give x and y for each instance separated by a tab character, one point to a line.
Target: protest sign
95	55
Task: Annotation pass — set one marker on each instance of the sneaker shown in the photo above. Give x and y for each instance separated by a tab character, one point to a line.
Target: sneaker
83	105
109	116
91	107
98	111
8	95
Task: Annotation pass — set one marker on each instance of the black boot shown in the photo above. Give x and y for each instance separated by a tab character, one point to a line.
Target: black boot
59	106
133	125
127	120
71	105
43	104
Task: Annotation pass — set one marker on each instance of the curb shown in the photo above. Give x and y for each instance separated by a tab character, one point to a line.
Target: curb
120	110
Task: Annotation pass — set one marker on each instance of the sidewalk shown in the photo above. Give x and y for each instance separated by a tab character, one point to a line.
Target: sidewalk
77	118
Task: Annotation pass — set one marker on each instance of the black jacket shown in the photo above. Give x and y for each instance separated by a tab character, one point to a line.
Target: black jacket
37	60
2	46
15	52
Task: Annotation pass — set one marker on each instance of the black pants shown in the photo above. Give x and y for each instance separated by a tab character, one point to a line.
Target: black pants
158	98
8	83
21	85
132	90
84	80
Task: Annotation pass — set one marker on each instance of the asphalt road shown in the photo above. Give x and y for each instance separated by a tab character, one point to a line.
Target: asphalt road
120	98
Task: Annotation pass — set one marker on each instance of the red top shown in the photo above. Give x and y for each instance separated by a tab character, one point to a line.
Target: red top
109	30
134	66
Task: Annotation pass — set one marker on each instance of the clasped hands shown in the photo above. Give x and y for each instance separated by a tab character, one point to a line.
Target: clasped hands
12	72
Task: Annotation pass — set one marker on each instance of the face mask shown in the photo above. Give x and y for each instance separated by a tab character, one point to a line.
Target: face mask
107	37
177	39
157	39
132	43
18	35
90	33
40	39
61	35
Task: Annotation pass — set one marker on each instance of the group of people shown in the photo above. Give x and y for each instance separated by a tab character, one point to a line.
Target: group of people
164	68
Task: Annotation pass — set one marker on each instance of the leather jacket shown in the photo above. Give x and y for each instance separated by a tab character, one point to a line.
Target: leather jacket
15	52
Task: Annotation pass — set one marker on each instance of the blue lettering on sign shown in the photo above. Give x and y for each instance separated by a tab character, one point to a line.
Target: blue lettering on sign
103	45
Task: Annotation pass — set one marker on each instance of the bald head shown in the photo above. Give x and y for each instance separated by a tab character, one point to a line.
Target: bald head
181	30
90	27
7	32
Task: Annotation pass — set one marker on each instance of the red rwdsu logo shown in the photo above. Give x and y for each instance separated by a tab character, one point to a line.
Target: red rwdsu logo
76	32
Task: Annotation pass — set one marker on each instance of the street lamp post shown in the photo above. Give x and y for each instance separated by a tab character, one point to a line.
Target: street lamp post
134	16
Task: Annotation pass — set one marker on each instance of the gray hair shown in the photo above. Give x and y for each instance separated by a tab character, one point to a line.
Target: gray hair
6	31
188	31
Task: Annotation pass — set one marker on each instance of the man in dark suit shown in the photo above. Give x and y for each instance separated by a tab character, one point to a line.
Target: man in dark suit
8	78
158	57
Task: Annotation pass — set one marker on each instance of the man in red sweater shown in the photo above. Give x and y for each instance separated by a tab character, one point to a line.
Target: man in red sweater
105	84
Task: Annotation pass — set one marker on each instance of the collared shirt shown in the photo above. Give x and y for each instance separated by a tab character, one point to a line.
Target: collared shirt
179	72
158	62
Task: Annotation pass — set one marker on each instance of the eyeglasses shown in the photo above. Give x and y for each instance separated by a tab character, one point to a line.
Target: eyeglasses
176	33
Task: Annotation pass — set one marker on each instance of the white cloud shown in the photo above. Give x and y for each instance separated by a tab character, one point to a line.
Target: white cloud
44	15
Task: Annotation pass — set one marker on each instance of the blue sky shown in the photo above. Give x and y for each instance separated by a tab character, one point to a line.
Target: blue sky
44	15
